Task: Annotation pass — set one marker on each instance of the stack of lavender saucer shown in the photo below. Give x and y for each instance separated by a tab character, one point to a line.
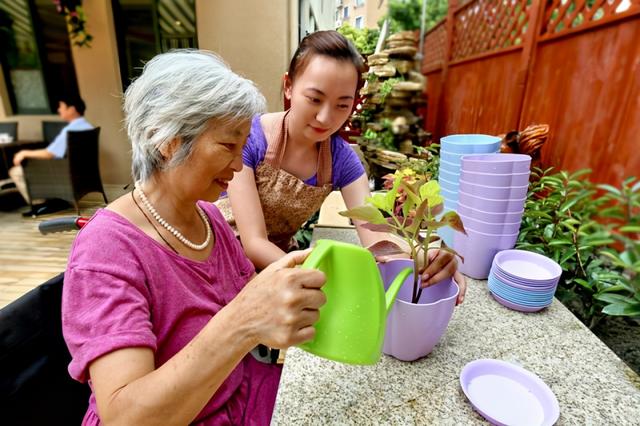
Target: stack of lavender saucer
491	196
523	280
452	148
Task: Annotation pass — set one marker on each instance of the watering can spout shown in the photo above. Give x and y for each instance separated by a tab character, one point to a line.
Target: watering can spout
392	292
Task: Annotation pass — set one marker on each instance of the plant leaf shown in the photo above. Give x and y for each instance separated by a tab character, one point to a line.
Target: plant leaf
379	201
377	227
452	219
367	213
385	248
621	309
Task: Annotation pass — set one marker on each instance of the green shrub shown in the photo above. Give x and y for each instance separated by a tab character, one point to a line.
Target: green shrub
568	219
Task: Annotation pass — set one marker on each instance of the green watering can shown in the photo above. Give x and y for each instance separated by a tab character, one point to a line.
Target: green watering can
352	323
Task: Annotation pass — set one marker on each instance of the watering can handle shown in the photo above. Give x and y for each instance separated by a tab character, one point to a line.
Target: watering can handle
313	260
394	288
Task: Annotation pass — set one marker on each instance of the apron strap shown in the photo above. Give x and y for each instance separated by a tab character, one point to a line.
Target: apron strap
275	132
276	136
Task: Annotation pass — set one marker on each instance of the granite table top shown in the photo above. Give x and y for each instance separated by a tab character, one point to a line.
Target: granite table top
593	386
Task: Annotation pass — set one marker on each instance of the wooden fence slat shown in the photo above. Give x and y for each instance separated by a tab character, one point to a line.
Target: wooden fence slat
573	66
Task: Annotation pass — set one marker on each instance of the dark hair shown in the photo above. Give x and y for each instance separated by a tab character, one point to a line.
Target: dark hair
74	101
328	43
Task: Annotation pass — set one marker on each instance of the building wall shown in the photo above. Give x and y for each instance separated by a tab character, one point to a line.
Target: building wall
371	11
255	40
98	74
316	15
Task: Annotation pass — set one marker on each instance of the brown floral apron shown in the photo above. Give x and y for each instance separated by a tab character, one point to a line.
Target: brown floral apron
287	201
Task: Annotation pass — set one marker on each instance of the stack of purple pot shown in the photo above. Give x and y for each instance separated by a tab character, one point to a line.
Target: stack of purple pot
523	280
452	148
491	195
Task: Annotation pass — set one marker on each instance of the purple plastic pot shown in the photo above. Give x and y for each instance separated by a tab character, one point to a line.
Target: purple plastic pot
488	217
479	249
413	330
491	205
490	228
493	192
496	163
470	144
495	179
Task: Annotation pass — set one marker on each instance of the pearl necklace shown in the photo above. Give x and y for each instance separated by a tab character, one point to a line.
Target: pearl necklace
154	213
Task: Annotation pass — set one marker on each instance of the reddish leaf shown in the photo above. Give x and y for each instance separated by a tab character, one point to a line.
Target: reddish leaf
385	248
437	209
452	219
377	227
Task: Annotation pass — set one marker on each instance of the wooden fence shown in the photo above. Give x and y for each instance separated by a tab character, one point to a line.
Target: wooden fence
494	66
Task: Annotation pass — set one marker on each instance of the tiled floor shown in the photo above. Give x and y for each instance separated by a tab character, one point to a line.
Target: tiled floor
28	258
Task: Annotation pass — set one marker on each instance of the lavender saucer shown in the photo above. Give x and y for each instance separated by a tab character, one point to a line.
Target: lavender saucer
506	394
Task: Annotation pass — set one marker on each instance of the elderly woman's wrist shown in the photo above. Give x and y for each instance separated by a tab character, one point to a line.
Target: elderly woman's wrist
244	334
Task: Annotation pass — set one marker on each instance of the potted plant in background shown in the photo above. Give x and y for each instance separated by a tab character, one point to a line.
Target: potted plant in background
410	211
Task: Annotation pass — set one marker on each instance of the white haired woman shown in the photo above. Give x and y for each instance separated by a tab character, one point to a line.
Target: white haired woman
161	306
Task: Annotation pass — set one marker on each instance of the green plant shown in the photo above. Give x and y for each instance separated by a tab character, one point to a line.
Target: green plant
305	233
364	39
622	294
76	21
386	87
432	161
404	15
563	220
383	138
407	210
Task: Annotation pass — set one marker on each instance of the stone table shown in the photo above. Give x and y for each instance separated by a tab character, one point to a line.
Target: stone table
593	386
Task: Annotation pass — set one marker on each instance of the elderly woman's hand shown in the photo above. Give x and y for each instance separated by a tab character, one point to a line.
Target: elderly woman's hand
282	302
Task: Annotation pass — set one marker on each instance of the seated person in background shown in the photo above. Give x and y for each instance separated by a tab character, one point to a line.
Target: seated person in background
160	306
71	110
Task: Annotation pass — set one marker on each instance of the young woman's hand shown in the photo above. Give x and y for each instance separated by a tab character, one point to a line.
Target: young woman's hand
281	303
442	265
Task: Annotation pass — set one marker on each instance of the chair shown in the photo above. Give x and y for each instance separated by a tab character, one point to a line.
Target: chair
69	178
35	387
10	127
51	129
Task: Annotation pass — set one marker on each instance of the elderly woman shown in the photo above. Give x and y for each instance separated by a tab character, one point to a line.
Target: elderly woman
161	307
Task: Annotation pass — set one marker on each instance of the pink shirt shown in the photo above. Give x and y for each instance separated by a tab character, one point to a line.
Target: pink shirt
123	289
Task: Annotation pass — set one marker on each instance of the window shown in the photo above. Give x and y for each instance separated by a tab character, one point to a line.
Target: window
35	56
145	28
359	21
346	12
359	3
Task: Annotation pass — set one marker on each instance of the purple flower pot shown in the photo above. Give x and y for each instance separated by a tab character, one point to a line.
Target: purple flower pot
413	330
479	249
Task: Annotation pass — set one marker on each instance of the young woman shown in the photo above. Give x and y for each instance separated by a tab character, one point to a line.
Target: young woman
294	159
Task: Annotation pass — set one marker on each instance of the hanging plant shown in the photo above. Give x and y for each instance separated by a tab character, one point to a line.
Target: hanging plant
76	21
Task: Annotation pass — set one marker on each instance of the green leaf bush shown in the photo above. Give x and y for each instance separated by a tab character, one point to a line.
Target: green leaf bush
592	232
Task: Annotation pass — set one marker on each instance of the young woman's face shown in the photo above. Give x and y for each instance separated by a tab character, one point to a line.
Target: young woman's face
322	97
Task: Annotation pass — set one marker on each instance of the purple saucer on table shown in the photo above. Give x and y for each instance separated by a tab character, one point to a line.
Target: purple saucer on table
527	266
506	394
